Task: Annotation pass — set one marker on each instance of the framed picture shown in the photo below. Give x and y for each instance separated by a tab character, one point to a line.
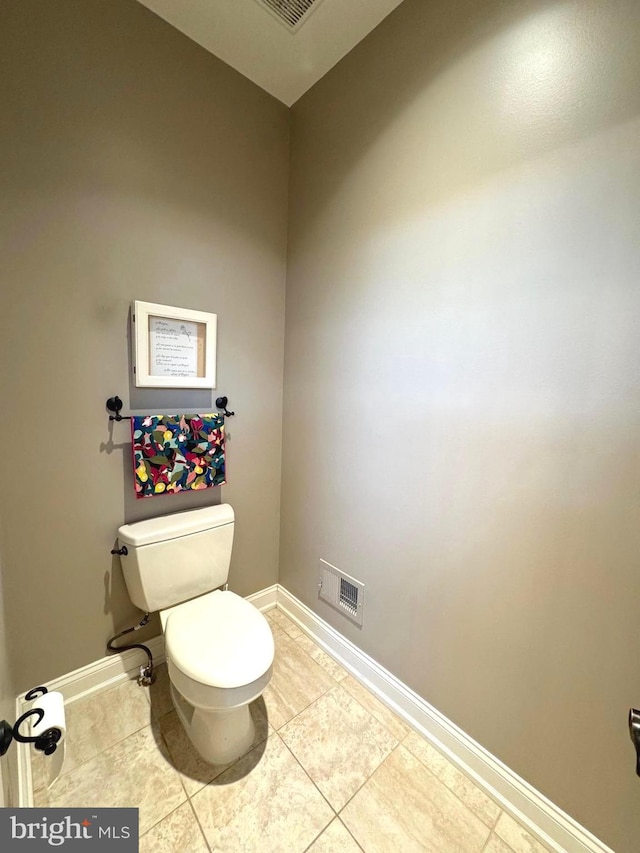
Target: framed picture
173	347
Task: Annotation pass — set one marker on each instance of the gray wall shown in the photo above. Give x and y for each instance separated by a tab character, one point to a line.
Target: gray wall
462	409
135	166
8	762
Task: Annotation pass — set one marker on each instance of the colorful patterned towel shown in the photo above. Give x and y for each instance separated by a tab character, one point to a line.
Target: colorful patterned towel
174	453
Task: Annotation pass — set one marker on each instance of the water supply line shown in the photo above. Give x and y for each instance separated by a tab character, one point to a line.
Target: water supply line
147	675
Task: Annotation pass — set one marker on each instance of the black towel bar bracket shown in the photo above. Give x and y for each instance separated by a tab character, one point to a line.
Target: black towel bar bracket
221	403
114	404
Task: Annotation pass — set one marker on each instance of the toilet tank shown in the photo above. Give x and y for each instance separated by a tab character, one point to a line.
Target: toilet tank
176	557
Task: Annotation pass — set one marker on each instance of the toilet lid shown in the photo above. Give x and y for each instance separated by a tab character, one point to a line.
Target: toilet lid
219	639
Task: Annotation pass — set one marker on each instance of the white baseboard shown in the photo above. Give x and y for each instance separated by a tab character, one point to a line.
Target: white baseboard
106	672
553	827
265	599
25	781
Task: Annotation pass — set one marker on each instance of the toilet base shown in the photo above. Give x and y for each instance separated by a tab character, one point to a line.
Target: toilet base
220	737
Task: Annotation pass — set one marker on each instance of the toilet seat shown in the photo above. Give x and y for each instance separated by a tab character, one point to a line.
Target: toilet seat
218	640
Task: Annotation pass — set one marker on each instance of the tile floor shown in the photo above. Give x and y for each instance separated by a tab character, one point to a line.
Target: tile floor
332	770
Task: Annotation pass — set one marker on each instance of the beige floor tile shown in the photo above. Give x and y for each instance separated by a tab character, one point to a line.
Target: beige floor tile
280	636
39	769
45	769
278	618
335	839
178	832
517	837
427	754
98	722
314	651
471	795
159	693
194	771
41	798
405	807
338	743
376	708
135	773
296	681
496	845
264	803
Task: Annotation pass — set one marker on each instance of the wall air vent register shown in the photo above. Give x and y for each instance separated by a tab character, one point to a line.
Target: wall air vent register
341	591
292	13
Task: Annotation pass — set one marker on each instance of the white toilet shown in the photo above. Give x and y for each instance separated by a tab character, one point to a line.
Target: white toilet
219	647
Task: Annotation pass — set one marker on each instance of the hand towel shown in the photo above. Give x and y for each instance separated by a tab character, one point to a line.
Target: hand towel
177	453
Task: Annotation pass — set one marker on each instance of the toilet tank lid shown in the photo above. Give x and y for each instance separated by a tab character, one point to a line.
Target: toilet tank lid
175	525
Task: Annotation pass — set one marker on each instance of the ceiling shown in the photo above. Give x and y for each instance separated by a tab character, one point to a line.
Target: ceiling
283	60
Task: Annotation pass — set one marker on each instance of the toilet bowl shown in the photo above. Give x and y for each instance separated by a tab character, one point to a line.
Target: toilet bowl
219	651
219	647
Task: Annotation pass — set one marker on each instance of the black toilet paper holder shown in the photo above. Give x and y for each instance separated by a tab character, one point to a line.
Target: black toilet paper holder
47	742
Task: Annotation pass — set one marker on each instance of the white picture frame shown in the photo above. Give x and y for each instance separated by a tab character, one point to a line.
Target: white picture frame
173	347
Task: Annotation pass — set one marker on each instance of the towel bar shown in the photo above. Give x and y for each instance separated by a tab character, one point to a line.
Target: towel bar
114	404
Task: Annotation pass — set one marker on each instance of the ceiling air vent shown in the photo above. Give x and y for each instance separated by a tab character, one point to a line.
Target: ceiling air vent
290	12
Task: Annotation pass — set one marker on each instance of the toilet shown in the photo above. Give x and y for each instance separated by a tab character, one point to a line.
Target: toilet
219	647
